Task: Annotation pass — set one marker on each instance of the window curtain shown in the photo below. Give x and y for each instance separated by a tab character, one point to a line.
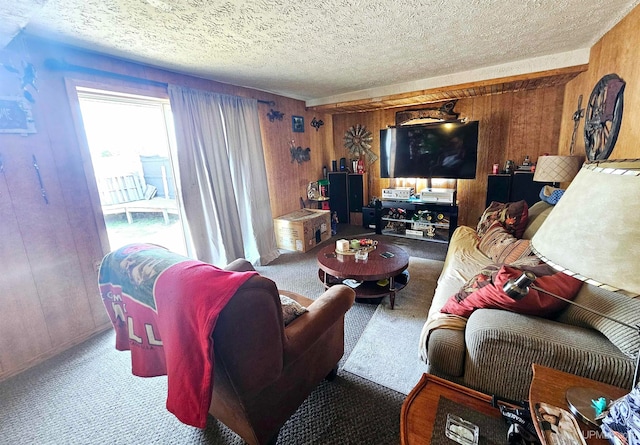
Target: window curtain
223	179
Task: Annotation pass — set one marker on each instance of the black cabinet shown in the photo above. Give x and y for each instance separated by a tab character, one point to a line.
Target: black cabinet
418	220
515	187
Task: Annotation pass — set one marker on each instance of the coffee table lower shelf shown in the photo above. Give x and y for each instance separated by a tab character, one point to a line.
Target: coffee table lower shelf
368	289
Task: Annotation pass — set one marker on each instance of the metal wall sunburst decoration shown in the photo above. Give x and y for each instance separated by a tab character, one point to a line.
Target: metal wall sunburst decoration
358	140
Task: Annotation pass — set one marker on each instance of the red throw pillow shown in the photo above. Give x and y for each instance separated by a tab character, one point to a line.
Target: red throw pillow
512	215
488	294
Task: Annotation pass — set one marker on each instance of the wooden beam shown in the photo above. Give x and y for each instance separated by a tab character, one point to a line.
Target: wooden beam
530	81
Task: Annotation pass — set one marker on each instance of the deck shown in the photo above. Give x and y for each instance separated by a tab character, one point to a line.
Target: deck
155	205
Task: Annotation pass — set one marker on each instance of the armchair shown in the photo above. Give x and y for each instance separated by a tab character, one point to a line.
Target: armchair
264	370
193	321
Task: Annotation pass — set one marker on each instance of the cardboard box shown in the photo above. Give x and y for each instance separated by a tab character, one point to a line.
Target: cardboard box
303	229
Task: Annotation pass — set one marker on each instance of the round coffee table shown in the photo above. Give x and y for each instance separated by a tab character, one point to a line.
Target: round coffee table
336	267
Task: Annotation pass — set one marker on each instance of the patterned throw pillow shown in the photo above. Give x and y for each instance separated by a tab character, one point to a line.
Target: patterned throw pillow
487	292
291	309
482	279
512	215
501	246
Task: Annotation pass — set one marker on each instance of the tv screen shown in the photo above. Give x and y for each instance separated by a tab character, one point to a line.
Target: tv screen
440	150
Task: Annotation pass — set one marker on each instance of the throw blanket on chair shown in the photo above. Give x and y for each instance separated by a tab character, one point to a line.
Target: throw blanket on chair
164	308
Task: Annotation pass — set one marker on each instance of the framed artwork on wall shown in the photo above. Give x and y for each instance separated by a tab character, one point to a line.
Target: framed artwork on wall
15	115
297	123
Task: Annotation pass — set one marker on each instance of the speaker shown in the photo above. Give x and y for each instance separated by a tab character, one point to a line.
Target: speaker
338	195
523	187
511	188
370	218
356	193
343	164
498	188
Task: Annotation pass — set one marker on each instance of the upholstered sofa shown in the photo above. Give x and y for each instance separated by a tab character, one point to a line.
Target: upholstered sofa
492	350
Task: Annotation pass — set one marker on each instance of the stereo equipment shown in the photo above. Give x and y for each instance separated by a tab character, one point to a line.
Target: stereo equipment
444	196
398	193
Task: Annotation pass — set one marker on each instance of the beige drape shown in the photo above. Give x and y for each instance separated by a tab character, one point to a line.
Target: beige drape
222	176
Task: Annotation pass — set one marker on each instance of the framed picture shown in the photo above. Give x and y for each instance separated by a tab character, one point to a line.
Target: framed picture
297	122
15	115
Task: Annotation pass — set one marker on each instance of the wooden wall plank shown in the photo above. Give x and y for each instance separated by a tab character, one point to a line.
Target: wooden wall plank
52	249
512	125
23	330
60	243
618	51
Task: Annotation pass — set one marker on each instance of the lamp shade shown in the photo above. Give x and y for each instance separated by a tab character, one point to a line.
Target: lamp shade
593	232
557	168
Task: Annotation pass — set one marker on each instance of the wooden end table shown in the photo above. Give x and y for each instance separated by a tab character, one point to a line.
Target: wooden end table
419	410
335	267
550	385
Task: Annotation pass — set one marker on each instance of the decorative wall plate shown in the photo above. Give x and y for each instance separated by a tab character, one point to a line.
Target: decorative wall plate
603	117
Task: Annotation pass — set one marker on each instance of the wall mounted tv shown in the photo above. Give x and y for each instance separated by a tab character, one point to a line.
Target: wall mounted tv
439	150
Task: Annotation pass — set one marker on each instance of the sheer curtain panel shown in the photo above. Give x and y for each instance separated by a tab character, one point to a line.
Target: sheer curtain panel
223	181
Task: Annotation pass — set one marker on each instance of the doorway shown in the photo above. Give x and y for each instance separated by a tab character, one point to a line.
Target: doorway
132	143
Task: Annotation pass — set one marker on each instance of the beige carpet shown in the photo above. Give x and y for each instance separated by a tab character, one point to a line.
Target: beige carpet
387	351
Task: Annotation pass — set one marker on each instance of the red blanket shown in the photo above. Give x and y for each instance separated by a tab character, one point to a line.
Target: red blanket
164	308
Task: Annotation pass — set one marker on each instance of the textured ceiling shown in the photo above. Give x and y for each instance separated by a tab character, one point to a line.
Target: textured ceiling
330	50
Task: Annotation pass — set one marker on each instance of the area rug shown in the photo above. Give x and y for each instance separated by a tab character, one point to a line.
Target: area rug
387	351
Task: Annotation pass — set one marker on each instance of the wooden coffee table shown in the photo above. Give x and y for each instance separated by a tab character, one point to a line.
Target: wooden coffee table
335	267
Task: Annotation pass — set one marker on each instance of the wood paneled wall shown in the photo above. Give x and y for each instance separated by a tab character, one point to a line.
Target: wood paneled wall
512	126
618	51
50	252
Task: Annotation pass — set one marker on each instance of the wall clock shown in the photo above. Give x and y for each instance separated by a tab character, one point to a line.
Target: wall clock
603	117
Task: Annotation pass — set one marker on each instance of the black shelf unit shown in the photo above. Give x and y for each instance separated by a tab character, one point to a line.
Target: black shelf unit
436	224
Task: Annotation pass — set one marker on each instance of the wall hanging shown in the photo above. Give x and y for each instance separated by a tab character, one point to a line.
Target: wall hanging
297	123
442	113
357	140
603	117
274	115
27	77
15	115
577	115
43	192
316	123
298	153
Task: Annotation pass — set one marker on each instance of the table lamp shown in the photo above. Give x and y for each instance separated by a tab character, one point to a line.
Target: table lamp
557	169
592	234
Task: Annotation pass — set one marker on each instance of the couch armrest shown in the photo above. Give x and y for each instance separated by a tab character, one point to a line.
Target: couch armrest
502	345
324	312
446	352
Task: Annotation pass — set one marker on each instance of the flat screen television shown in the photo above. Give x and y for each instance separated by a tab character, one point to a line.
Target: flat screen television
439	150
